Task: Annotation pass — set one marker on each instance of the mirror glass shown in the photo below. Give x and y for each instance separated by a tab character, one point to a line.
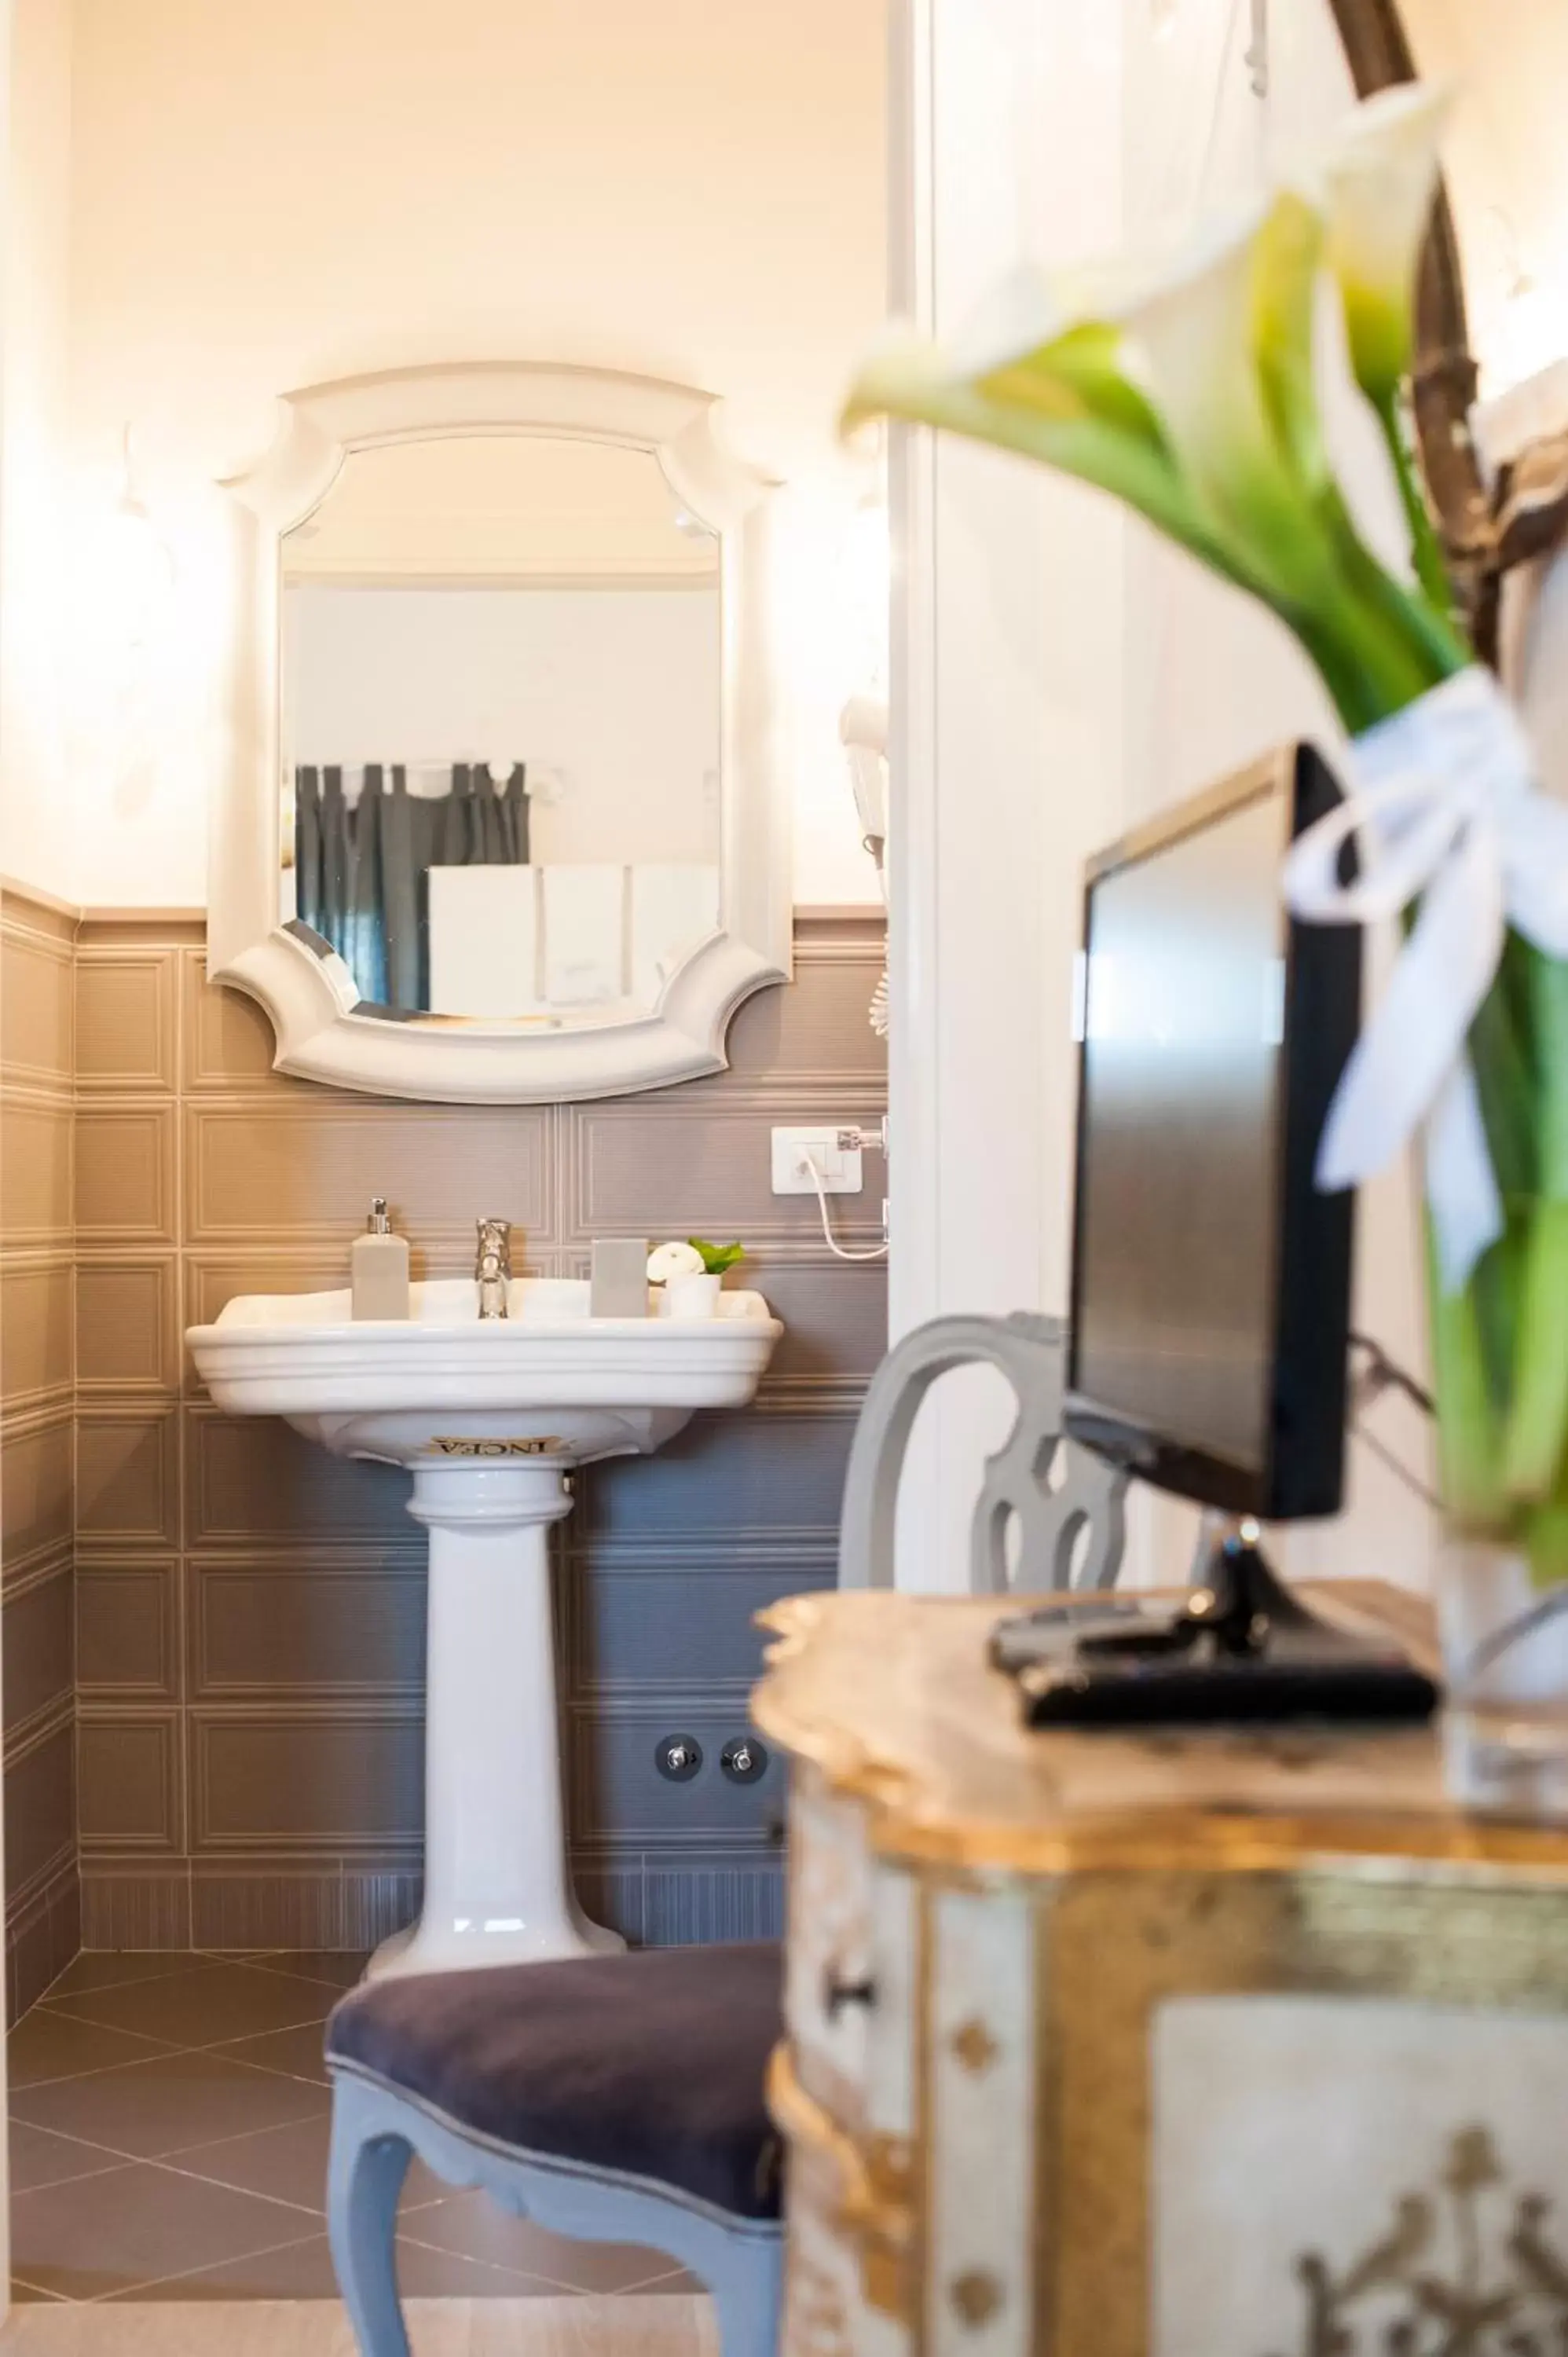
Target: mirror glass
501	729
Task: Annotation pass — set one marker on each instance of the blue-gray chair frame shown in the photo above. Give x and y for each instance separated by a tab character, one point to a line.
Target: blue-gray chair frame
377	2131
1067	1506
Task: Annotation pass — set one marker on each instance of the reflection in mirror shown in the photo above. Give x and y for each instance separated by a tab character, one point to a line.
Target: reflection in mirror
500	728
1506	168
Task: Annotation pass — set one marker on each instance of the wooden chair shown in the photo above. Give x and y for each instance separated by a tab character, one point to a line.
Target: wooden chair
619	2098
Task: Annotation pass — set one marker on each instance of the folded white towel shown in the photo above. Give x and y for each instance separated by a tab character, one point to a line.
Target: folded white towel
674	907
585	932
484	940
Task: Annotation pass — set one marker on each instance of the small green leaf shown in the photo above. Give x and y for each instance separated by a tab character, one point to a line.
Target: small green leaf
716	1258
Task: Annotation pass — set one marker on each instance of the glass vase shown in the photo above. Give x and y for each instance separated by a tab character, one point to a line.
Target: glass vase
1504	1661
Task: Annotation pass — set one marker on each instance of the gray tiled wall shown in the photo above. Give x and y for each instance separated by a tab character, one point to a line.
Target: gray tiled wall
249	1609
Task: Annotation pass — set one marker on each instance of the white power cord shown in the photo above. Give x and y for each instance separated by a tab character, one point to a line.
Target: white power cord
808	1169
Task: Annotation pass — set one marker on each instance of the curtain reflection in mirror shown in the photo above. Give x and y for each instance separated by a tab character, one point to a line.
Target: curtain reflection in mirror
363	862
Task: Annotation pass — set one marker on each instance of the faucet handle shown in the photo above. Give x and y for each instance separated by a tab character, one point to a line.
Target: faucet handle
495	1237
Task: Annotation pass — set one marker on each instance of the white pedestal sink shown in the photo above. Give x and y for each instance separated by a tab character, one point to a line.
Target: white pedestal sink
490	1416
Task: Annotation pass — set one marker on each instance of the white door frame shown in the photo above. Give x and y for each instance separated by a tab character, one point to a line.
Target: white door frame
1006	713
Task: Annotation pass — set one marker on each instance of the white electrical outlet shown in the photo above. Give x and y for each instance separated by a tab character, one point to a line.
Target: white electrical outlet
840	1165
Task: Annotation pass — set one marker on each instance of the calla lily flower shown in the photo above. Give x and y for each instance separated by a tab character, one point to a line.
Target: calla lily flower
1378	190
1058	396
1142	379
1184	387
1224	332
1379	186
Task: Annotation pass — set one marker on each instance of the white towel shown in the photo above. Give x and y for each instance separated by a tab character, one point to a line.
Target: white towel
585	932
674	905
483	936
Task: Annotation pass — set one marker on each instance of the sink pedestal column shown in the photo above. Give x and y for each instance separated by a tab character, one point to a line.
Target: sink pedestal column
497	1891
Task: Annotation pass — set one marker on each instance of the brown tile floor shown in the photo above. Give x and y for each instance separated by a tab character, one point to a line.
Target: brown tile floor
168	2142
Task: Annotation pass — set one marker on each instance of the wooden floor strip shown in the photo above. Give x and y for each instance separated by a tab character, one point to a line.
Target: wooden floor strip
631	2325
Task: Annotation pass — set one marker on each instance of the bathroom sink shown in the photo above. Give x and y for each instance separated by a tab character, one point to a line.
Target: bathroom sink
489	1416
546	1381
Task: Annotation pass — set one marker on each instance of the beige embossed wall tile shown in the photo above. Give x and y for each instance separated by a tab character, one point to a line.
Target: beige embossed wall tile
609	1744
43	1933
37	1466
286	1900
127	1631
305	1780
822	1025
228	1039
646	1166
141	929
40	1808
38	1651
35	1012
125	1178
311	1626
250	1480
726	1476
34	1332
377	1901
629	1620
36	1144
126	1005
128	1768
296	1173
126	1333
138	1903
127	1488
37	1024
835	1321
24	910
213	1279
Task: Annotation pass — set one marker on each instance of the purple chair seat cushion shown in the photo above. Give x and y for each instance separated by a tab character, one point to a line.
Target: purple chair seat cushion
649	2065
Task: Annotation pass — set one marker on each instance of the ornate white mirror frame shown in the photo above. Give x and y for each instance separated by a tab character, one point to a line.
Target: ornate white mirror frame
322	1033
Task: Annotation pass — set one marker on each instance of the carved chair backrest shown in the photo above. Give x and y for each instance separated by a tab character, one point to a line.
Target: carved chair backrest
1065	1505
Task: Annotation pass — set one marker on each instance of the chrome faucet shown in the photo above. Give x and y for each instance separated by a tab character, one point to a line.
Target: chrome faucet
492	1266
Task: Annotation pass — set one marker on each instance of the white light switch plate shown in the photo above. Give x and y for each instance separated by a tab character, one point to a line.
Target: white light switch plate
840	1165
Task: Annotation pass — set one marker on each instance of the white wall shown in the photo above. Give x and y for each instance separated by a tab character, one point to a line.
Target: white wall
267	194
1061	673
611	697
1009	674
35	823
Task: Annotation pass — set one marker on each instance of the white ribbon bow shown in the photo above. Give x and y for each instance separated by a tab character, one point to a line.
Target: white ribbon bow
1445	806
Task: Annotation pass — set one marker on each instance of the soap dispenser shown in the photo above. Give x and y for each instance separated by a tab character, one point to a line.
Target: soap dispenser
379	1268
